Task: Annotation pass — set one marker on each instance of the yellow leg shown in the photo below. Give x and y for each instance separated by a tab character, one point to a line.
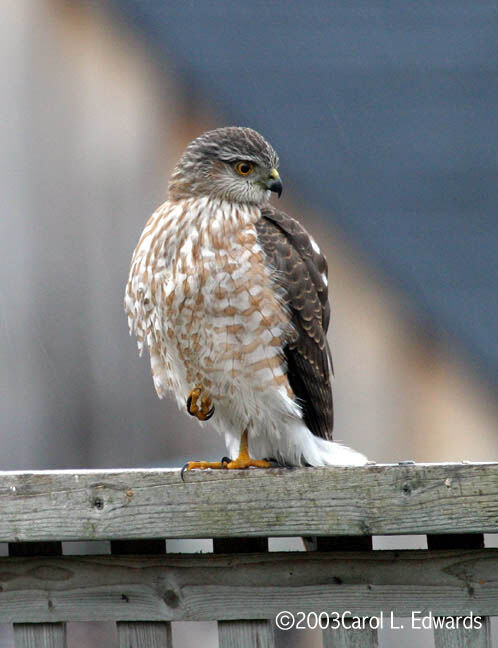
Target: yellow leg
244	460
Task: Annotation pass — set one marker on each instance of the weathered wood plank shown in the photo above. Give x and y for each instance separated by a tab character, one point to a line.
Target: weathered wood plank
243	633
454	636
141	634
204	587
349	638
43	635
138	634
342	637
40	635
89	505
464	638
246	634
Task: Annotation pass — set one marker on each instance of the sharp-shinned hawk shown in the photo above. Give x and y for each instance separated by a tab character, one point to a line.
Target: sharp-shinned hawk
230	295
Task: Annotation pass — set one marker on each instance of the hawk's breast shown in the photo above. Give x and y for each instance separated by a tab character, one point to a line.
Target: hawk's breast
202	297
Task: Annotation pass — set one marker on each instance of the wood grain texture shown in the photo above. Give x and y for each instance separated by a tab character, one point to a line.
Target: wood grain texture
245	634
342	637
204	587
479	634
139	634
132	504
43	635
348	638
40	635
463	638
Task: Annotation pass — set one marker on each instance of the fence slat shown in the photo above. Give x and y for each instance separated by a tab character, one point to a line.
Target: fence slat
38	635
463	638
244	633
345	637
349	638
142	634
147	634
460	637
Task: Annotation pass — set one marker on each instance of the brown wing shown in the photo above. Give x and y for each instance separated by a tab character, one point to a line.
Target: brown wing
298	269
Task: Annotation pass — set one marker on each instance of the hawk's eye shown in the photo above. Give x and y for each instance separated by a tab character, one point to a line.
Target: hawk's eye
244	168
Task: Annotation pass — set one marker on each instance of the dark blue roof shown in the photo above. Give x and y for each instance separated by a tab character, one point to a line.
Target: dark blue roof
387	115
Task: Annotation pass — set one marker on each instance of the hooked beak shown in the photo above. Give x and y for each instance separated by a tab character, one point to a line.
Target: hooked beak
274	183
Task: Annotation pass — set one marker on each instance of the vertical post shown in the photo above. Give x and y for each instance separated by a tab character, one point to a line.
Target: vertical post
38	635
349	638
243	633
142	634
345	637
459	637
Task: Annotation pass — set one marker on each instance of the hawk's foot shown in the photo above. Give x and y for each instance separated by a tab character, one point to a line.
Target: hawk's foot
203	410
244	460
201	465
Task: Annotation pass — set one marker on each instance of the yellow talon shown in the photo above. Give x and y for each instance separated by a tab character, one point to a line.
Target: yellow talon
201	465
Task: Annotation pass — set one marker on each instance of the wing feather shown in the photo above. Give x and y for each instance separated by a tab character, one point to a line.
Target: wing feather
301	271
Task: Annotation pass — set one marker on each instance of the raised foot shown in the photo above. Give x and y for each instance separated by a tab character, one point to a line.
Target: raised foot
203	410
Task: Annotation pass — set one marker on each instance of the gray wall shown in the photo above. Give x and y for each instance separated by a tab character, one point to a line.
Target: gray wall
87	138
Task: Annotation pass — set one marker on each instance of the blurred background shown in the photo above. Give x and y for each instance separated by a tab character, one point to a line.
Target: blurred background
384	116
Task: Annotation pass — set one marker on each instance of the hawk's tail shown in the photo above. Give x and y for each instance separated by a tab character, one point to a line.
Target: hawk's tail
298	446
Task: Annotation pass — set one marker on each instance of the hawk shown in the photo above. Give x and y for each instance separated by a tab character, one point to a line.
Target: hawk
230	296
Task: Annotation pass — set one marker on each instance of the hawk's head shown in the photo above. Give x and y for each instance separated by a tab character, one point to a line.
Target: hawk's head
235	164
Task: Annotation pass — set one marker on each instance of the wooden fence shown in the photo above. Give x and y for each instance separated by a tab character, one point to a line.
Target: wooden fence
241	584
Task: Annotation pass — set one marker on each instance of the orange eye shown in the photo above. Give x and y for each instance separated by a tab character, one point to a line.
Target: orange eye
244	168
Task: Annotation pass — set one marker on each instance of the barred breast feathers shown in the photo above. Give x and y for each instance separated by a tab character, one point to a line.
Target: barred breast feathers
182	241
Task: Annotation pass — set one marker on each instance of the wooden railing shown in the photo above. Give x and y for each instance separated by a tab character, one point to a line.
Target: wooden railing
241	584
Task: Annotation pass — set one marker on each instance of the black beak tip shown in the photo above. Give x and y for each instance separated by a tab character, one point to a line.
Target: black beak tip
276	186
